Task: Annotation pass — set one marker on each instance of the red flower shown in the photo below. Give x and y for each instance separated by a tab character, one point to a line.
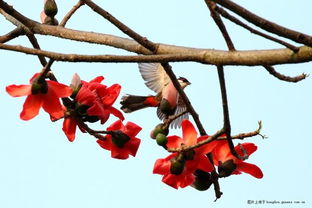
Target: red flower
45	94
99	98
229	164
121	140
96	102
178	168
69	128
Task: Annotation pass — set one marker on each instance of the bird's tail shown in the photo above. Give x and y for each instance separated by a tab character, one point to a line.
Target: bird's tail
130	103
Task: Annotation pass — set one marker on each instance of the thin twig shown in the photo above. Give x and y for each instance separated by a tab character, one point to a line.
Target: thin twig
216	17
215	178
226	15
242	136
70	13
226	116
283	77
265	24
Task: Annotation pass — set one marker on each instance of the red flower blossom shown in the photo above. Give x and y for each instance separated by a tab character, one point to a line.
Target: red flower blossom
178	168
96	101
99	98
45	94
121	140
229	164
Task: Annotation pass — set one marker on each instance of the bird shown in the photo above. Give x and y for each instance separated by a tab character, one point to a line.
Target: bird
167	99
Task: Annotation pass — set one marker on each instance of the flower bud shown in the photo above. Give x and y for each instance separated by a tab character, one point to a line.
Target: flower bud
119	138
75	85
226	169
177	166
50	8
161	139
202	181
160	128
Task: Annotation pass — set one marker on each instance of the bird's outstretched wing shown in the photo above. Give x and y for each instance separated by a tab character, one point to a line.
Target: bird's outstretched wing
181	107
154	75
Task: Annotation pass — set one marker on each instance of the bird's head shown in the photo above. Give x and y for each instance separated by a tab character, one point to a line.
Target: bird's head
183	82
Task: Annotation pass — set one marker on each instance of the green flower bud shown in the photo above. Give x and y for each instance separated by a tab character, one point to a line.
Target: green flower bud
50	8
160	128
177	166
202	181
226	169
165	107
119	138
161	139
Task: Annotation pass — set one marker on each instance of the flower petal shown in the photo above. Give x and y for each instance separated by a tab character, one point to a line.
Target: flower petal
18	90
60	90
116	113
133	145
221	152
98	79
177	181
248	147
174	141
162	166
52	105
189	133
69	128
132	129
204	164
249	168
111	95
117	125
31	107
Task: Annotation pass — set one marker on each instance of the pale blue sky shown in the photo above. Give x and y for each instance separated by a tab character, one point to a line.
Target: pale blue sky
41	169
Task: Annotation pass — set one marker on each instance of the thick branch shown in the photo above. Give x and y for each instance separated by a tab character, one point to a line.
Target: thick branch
11	35
265	24
208	56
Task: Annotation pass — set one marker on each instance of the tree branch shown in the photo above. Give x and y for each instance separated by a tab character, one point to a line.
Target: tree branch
11	35
216	17
208	56
265	24
226	15
283	77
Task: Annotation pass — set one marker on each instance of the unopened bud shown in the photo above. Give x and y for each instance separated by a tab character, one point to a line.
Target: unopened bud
161	139
119	138
50	8
75	85
202	180
160	128
226	169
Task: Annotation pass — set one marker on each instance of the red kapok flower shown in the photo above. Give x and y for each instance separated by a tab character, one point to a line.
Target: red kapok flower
229	164
99	98
121	140
43	94
178	168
